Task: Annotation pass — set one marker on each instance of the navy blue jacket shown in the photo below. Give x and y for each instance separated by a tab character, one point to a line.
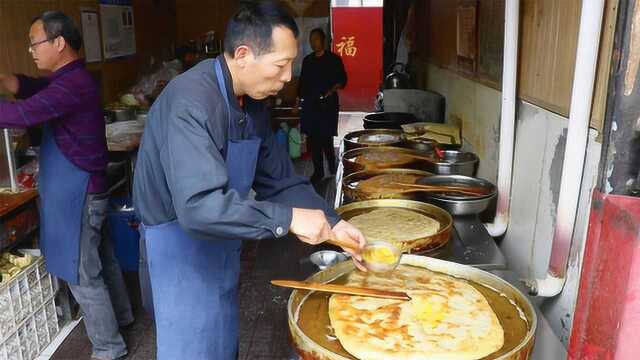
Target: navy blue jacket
181	172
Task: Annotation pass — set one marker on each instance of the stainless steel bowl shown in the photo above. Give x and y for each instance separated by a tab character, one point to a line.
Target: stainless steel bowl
458	204
326	258
454	162
141	118
122	114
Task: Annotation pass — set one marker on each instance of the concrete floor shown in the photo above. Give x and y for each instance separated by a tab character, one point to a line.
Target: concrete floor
264	331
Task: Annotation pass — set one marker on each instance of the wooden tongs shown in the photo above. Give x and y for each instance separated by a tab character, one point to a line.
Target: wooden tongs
342	289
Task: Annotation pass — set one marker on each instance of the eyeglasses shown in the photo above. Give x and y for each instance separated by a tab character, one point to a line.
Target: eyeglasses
32	46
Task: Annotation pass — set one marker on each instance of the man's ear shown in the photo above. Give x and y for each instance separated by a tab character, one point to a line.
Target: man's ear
60	43
242	55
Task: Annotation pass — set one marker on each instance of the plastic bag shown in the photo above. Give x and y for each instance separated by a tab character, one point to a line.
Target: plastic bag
295	139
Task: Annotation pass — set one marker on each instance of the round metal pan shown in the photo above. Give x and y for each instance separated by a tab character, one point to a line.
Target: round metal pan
387	120
429	243
350	185
373	137
309	349
350	165
457	204
454	162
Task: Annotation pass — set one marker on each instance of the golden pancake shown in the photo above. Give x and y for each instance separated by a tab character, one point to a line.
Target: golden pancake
395	225
447	318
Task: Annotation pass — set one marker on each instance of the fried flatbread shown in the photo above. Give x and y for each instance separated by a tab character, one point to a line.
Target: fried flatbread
386	183
447	318
395	225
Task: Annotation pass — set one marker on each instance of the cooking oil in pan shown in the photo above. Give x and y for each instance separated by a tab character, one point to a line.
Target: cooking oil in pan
313	319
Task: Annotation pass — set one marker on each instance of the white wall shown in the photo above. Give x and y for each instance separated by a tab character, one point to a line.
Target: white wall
478	107
540	143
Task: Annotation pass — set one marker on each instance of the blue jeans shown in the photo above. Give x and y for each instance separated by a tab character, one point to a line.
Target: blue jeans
101	293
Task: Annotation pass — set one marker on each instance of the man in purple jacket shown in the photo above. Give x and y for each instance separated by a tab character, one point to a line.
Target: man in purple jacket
72	180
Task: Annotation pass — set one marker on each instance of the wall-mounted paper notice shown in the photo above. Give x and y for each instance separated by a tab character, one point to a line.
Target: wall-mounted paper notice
91	36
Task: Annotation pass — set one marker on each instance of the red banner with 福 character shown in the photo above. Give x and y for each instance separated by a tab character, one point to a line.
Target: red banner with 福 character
357	39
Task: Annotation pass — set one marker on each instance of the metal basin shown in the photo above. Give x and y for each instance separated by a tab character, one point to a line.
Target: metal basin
458	204
373	137
427	146
350	185
310	346
121	113
454	162
350	164
388	120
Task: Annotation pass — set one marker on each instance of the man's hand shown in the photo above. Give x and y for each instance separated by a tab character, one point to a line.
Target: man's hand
311	226
9	83
348	233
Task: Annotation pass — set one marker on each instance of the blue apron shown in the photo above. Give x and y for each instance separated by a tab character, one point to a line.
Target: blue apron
194	283
63	190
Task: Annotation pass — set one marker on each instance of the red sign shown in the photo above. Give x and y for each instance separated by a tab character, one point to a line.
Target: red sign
357	39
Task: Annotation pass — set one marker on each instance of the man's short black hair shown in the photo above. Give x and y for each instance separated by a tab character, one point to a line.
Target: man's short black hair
56	23
320	33
253	24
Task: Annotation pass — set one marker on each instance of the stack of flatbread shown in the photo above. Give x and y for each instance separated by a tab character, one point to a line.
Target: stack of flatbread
447	318
395	225
442	133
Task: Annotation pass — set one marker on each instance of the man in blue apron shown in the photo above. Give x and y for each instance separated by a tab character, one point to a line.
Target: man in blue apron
72	181
198	160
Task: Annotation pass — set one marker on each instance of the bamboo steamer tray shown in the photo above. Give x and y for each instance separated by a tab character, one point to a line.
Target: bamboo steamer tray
351	165
311	343
428	243
351	190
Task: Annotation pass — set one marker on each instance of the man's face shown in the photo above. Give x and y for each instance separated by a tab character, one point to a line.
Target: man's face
316	41
45	53
265	75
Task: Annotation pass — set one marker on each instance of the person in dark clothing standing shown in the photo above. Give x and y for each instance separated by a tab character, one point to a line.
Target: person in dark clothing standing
322	75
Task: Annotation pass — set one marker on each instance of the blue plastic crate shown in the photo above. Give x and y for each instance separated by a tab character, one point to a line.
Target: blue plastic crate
123	225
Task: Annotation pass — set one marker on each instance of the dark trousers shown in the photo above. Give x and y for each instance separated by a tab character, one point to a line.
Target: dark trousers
321	145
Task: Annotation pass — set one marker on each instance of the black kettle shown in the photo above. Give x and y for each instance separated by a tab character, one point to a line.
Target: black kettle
397	79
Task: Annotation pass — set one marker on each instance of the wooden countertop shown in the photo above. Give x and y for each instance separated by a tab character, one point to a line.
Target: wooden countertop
10	202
